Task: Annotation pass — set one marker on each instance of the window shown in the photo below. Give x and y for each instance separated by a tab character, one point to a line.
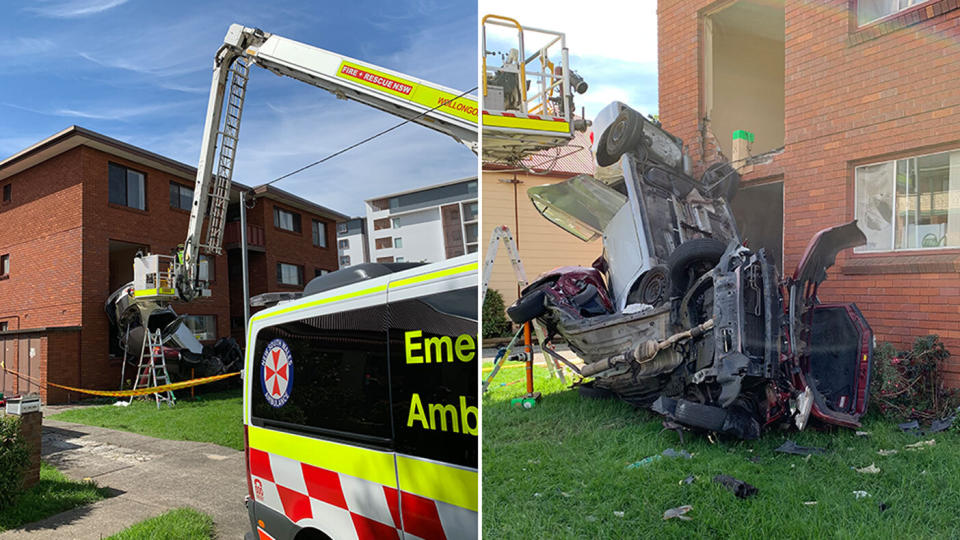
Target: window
181	196
285	220
317	272
8	193
469	211
396	223
341	385
343	244
911	203
5	265
342	228
319	234
289	274
127	187
437	328
384	259
871	10
205	270
204	327
4	326
379	224
399	259
344	261
398	242
383	243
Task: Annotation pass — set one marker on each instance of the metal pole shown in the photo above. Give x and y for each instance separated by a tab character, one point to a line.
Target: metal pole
243	259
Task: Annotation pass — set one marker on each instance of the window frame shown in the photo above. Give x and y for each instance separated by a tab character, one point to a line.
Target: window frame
295	219
880	20
316	232
342	264
180	196
860	251
300	276
211	268
126	187
5	266
7	193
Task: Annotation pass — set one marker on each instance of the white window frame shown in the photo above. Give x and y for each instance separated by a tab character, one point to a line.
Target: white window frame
893	228
463	226
280	274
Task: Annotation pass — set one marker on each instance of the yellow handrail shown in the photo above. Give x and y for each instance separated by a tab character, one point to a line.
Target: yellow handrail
523	73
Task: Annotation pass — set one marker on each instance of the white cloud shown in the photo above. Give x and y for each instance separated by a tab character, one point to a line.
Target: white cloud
70	9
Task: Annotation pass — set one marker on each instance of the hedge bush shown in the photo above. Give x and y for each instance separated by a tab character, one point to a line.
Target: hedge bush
909	384
14	459
495	322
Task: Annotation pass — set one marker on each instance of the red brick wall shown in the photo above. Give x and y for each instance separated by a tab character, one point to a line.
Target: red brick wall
43	224
160	227
846	103
294	248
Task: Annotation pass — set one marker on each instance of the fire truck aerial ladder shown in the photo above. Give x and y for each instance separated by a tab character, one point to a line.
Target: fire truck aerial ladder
159	279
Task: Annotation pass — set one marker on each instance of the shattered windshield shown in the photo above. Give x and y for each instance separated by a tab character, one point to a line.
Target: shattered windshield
582	205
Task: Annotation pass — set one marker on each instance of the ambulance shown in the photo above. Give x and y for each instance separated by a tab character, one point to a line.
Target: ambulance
360	408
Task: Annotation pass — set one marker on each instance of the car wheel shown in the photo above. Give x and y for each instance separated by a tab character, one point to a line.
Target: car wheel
590	391
653	288
623	135
692	257
528	307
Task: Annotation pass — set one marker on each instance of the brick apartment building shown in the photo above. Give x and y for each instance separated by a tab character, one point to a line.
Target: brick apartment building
855	104
75	209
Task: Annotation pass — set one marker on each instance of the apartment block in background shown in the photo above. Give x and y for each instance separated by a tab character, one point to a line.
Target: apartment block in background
352	248
428	224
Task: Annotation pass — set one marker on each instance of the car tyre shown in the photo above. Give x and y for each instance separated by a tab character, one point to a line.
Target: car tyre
623	136
528	307
653	288
698	251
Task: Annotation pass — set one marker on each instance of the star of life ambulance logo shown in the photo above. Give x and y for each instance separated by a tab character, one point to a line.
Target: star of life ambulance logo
276	373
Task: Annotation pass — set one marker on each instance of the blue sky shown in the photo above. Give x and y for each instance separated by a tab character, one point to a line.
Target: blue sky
139	71
612	44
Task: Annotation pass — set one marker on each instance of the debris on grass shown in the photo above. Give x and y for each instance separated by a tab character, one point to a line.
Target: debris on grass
872	469
883	507
860	494
618	513
810	503
940	424
678	513
565	494
790	447
669	452
920	444
862	434
739	488
883	452
909	427
688	480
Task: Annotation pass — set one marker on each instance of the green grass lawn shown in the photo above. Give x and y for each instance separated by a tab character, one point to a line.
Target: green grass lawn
559	471
54	493
179	524
215	417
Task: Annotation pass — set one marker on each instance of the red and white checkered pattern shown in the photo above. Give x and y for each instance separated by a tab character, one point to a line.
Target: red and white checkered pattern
345	506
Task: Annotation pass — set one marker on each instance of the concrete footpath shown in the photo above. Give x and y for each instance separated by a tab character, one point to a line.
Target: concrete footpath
149	477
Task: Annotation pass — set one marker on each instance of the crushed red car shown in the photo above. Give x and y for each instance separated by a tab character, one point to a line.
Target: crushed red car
678	315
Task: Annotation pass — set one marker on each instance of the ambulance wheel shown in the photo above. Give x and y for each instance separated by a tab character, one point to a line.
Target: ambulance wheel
311	534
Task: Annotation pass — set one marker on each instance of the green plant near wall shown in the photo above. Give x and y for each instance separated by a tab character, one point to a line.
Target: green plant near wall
14	459
495	322
909	384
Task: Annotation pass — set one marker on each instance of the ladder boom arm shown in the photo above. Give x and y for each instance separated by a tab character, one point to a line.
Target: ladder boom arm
439	108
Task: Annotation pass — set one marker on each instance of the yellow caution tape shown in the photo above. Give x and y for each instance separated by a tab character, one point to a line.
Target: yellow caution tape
131	393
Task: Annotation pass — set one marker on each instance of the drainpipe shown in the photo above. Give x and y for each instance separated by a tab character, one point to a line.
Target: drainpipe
243	261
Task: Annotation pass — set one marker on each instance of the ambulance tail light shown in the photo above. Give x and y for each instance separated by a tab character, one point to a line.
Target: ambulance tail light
246	459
